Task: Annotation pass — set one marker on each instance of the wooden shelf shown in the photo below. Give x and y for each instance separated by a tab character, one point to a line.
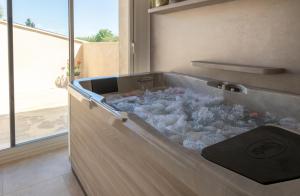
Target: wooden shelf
183	5
239	68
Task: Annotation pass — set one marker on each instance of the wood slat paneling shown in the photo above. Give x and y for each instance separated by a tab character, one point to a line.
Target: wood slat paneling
108	160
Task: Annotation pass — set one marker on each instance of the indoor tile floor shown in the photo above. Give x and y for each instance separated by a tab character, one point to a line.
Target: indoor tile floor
43	175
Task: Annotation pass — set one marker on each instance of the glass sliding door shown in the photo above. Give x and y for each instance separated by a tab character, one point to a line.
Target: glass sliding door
96	29
34	60
41	53
4	85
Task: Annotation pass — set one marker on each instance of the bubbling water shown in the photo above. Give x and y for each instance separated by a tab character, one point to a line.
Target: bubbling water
192	119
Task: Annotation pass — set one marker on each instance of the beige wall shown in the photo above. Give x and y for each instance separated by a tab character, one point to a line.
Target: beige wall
255	32
38	58
100	59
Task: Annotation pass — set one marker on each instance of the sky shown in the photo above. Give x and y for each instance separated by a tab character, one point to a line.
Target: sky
52	15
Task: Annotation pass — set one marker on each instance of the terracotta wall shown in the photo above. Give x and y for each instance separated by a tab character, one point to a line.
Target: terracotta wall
253	32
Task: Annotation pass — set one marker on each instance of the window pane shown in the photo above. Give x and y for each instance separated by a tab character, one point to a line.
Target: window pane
97	37
40	57
4	98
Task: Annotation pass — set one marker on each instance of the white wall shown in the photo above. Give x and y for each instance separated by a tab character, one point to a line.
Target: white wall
38	58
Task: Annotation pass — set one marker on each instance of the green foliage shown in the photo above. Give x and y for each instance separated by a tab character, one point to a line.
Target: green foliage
104	35
29	23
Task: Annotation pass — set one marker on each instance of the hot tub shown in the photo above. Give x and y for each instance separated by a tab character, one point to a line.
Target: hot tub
119	150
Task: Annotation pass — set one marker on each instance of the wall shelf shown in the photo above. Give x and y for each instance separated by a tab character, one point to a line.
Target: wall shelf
183	5
239	68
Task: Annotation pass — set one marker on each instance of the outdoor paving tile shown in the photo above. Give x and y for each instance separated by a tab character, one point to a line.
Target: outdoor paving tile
34	124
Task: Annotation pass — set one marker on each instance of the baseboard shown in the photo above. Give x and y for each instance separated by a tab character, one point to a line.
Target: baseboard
33	148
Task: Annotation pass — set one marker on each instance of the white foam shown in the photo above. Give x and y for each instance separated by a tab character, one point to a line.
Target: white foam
193	119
